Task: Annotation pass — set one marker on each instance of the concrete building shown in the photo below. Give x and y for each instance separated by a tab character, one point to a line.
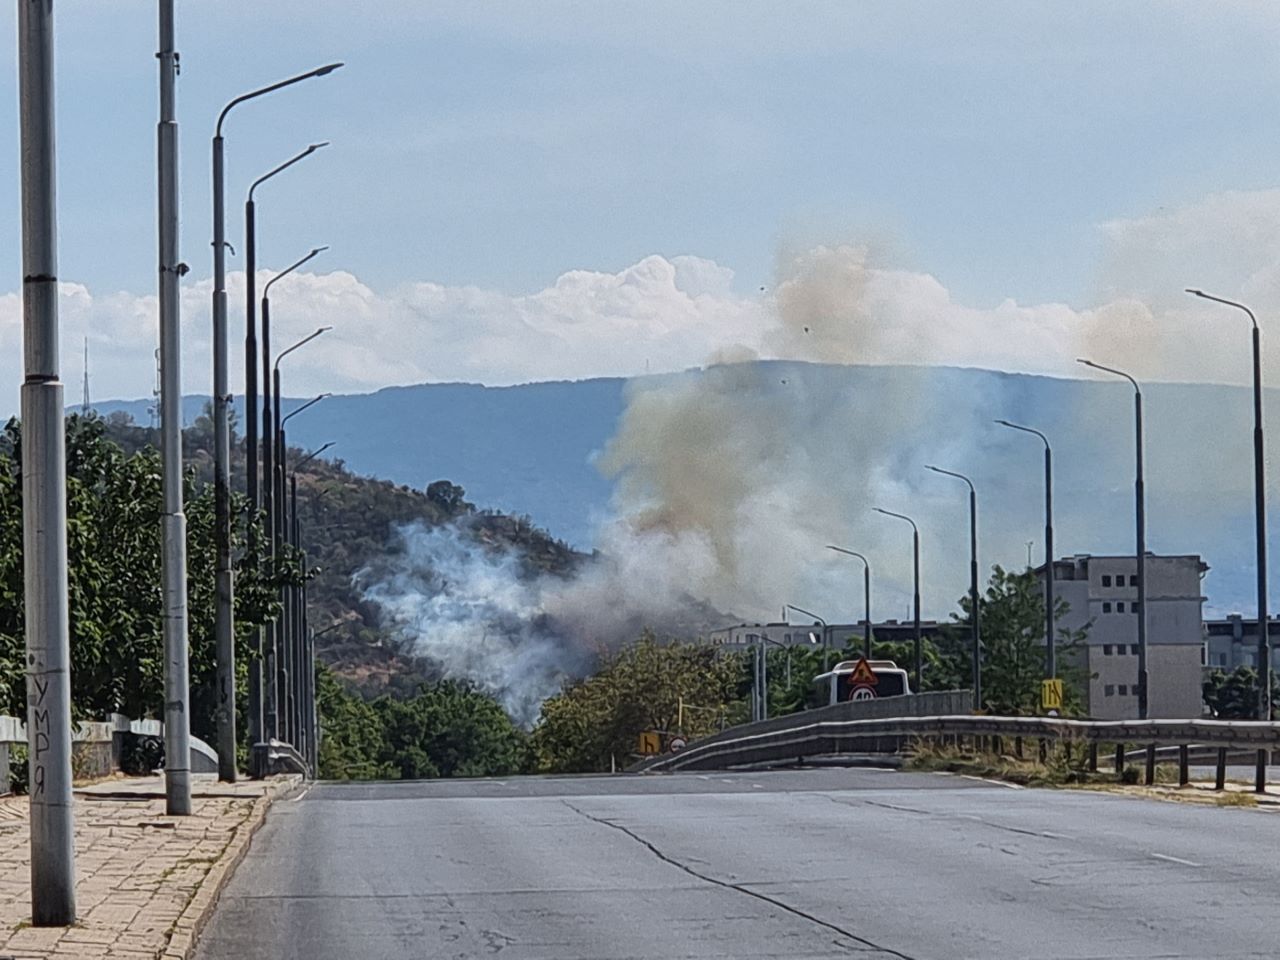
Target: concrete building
1233	642
1101	593
796	634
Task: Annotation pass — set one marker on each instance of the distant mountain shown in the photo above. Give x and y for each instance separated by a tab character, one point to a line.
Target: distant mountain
528	450
521	450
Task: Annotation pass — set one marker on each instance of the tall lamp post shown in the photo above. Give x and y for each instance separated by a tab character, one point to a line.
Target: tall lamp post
826	634
866	597
1051	660
173	531
915	554
271	715
224	626
1140	523
975	611
306	652
286	657
251	412
44	488
1259	510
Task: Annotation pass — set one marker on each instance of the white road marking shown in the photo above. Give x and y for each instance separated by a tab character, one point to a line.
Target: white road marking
1185	863
299	796
998	783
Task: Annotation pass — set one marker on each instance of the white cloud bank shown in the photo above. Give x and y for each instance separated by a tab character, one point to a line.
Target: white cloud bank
668	314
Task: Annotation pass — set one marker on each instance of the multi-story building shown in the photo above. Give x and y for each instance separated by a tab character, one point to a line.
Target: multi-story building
1233	642
840	634
1102	598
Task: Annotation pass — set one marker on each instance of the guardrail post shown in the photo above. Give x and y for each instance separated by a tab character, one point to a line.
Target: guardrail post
1017	747
1151	764
1119	761
1260	774
1184	766
1044	750
1093	756
1222	769
996	745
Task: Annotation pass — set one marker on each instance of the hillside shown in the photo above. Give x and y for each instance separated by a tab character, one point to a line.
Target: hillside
349	524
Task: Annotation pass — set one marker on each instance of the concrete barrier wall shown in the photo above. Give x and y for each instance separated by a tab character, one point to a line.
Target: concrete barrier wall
96	747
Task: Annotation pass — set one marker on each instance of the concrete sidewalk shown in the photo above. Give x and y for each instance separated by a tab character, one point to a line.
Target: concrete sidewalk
145	881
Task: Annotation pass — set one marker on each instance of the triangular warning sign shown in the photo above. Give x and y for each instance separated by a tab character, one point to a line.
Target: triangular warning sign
863	675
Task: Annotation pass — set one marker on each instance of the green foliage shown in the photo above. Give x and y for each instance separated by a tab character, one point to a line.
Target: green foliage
640	687
448	729
1012	612
115	601
1234	696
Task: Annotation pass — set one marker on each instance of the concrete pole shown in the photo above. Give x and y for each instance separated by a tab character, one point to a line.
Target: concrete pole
177	699
224	603
251	461
44	486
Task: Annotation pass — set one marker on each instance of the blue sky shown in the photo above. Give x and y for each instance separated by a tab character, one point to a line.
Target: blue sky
499	146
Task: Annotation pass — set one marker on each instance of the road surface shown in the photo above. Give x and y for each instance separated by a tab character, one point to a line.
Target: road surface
796	864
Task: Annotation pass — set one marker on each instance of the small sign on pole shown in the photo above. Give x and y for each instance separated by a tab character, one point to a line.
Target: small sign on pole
1051	694
650	743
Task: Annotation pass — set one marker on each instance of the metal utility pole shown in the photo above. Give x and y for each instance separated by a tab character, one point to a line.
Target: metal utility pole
224	616
915	554
1140	523
866	597
177	699
251	420
44	486
1051	659
975	613
1259	512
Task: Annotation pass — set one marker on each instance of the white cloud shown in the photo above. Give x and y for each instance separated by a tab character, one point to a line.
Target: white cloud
660	314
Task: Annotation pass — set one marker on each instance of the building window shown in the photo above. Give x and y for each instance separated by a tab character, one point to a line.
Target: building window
1124	690
1106	649
1106	606
1134	606
1133	649
1133	579
788	638
1106	579
1111	689
1120	606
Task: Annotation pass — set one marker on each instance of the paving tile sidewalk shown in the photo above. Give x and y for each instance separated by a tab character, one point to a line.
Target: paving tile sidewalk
144	881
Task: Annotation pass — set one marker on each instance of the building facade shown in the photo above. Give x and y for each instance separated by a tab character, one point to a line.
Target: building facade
1233	641
798	634
1102	597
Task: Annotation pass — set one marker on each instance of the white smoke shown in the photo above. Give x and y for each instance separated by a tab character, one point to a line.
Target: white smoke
730	480
477	613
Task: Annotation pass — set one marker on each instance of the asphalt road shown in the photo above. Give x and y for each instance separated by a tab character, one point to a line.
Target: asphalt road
796	864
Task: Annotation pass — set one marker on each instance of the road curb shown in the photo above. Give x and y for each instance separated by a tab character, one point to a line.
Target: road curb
189	925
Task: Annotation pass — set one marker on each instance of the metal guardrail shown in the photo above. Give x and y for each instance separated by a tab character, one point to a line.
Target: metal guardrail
915	705
822	733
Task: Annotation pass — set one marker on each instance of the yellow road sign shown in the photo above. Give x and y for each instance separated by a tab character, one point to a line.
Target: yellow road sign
650	743
1051	694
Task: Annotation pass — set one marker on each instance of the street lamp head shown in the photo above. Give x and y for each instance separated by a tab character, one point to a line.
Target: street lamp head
327	69
312	148
316	251
1194	292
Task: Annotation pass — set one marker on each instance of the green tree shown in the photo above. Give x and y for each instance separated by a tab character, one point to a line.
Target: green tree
1013	654
1234	695
640	687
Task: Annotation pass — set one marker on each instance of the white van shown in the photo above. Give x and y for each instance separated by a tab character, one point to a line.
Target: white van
859	680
